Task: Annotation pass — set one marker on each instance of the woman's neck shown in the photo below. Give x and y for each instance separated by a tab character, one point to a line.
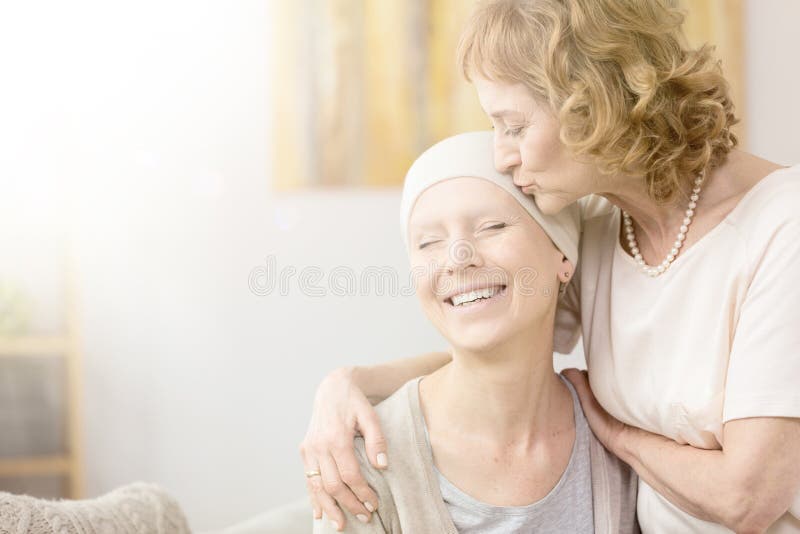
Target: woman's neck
508	396
657	225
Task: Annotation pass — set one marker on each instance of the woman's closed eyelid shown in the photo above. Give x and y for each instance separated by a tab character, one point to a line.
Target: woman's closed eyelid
514	131
425	244
493	226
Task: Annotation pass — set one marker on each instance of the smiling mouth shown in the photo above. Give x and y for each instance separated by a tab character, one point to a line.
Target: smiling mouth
470	298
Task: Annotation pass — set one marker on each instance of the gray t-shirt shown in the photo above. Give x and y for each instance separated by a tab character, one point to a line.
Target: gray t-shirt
567	508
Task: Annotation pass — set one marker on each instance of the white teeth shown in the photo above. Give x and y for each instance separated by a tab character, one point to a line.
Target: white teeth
472	296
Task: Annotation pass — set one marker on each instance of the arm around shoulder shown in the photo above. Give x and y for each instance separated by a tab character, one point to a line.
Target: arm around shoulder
379	381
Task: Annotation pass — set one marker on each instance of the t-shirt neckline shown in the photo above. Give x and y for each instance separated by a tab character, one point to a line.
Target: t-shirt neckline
706	237
510	510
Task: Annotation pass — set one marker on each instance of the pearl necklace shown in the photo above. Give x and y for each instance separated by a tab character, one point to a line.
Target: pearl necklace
654	271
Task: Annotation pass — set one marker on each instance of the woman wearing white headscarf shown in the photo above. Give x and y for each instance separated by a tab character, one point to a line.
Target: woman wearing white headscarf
494	441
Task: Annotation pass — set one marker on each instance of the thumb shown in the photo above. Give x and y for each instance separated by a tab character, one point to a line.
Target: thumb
370	426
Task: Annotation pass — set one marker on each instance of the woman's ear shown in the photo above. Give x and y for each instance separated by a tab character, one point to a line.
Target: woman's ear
566	270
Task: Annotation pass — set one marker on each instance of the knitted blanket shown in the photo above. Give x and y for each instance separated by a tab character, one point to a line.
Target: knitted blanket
134	509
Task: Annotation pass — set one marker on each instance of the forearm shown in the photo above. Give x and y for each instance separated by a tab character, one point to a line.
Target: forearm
707	484
381	380
688	477
747	486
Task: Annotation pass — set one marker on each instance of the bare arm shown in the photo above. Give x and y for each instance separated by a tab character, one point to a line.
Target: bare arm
379	381
746	486
341	410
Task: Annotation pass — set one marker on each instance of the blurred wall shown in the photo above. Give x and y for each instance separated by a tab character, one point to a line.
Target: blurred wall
151	119
194	381
773	79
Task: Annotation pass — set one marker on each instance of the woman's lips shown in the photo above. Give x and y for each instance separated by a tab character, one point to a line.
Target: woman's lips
530	189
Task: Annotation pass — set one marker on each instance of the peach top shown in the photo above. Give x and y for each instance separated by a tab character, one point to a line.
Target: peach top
715	338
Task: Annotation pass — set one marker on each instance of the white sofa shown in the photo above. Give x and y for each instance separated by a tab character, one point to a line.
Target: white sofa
293	518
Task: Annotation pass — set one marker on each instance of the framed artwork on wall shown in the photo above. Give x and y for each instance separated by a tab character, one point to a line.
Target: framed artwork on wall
360	87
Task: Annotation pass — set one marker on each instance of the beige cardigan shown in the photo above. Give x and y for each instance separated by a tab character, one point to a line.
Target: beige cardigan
409	489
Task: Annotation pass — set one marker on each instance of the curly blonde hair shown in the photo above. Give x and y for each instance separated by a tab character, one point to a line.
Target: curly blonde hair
627	90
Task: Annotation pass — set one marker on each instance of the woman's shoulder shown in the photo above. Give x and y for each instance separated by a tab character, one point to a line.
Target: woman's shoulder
769	205
780	188
400	410
399	418
403	486
766	222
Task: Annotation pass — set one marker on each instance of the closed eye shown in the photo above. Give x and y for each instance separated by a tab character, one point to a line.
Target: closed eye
497	226
426	243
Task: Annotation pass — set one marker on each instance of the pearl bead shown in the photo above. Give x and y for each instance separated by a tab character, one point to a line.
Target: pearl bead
630	233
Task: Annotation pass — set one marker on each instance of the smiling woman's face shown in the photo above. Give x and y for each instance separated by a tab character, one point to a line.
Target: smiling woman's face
488	270
527	146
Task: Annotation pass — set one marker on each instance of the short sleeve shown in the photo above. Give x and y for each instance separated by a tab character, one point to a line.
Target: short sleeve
764	367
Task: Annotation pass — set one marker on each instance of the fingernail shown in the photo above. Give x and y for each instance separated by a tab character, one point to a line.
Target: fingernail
368	506
335	524
382	460
362	518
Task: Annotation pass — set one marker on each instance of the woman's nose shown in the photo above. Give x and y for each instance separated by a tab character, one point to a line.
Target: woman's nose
463	253
506	156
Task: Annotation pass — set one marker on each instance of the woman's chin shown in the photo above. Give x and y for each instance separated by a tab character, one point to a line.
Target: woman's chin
476	342
550	204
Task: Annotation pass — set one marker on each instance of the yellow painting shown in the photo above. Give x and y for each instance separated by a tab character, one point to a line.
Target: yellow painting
363	86
721	23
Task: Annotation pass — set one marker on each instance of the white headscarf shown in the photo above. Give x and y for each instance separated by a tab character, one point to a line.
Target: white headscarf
470	155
